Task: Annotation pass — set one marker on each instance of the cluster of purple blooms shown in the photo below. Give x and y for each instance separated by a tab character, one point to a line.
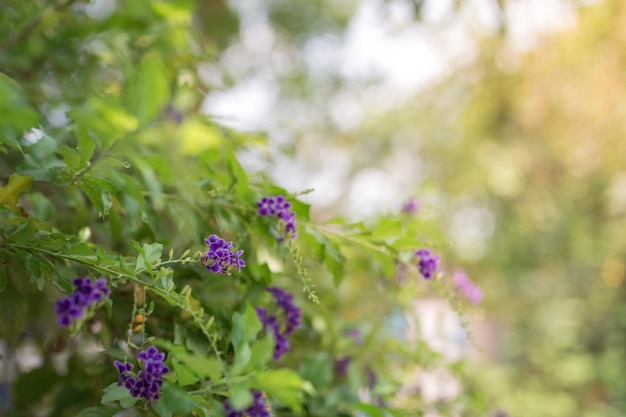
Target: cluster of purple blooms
86	293
219	257
428	263
292	316
258	408
147	383
471	291
279	206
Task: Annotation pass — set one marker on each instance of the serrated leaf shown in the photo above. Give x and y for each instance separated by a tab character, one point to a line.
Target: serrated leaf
10	193
114	393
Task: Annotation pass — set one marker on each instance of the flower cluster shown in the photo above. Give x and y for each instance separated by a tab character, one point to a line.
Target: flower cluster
147	383
258	408
471	291
86	293
279	206
219	257
292	320
428	263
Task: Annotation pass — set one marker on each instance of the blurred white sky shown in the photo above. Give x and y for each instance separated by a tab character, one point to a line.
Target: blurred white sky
404	56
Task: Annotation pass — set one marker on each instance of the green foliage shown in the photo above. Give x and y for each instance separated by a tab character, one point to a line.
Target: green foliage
109	171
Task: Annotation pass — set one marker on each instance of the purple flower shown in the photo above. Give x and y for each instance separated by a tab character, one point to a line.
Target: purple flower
279	206
411	206
87	293
219	257
428	263
258	408
341	365
471	291
292	318
147	383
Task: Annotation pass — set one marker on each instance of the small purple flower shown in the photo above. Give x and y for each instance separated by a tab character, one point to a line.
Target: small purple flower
279	206
258	408
219	257
341	365
471	291
87	293
292	316
411	206
428	263
147	383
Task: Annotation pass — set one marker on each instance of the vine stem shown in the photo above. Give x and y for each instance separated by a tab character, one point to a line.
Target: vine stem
178	300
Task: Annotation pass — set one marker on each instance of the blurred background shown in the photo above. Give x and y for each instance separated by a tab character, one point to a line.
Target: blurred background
502	119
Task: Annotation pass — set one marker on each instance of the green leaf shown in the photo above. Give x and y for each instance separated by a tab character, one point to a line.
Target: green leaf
149	254
116	393
369	410
161	409
203	405
148	90
176	399
81	251
240	397
98	190
202	366
70	157
261	352
10	193
242	357
245	326
86	145
98	411
185	374
386	229
283	384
